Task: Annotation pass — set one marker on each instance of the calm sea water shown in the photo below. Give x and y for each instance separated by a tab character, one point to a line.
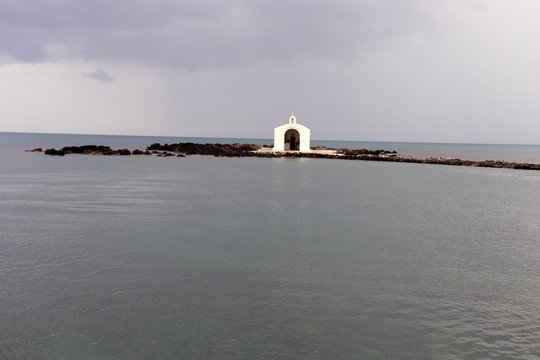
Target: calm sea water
226	258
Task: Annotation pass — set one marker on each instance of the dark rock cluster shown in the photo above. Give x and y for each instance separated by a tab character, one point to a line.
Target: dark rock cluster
88	150
230	150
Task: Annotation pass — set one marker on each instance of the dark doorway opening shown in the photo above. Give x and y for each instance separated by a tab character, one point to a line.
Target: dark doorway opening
293	142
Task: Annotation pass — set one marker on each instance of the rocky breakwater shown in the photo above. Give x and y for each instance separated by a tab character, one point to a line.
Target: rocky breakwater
452	162
252	150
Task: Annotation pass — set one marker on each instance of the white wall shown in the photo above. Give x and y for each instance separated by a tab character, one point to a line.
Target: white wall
279	137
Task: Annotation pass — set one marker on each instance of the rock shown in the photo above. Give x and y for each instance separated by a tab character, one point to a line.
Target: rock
124	152
35	150
73	150
88	149
54	152
137	152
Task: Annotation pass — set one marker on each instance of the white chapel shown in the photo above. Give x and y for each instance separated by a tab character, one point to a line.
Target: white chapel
292	137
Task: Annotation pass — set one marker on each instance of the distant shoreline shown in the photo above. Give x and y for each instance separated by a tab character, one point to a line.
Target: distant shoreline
265	151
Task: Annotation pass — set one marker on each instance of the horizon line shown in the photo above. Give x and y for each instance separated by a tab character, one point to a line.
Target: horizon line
255	138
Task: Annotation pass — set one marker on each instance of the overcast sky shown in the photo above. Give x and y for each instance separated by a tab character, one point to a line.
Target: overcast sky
374	70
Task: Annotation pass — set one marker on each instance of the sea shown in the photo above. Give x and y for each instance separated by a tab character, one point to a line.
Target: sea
142	257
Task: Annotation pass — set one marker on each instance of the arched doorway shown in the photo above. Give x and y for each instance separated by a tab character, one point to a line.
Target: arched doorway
292	139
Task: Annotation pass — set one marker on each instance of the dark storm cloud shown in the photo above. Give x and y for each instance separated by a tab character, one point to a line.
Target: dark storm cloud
195	34
100	75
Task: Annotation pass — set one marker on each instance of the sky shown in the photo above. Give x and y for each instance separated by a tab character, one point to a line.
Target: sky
465	71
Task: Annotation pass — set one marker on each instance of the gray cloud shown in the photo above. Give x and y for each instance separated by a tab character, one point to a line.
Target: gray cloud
198	34
415	70
100	75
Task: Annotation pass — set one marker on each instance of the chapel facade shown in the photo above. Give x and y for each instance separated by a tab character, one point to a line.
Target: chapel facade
292	137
